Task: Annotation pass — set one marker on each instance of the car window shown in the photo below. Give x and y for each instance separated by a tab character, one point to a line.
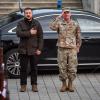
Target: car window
14	29
9	18
89	25
45	21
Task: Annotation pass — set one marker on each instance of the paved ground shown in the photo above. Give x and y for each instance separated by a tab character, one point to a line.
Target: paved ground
87	88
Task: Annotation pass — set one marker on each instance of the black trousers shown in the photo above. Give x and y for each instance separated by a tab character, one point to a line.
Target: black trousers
24	60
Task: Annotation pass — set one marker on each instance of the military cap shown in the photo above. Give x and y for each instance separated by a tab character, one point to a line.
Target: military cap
65	9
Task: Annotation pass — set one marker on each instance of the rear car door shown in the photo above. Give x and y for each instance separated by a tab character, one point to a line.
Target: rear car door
90	31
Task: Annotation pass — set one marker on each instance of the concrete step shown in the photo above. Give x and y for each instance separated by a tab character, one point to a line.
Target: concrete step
7	9
38	4
50	4
3	14
9	0
7	6
41	0
34	0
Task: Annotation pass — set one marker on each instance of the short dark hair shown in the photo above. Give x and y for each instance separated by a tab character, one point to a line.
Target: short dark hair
28	8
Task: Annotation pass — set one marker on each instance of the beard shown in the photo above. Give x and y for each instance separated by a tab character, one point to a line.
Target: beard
28	21
28	18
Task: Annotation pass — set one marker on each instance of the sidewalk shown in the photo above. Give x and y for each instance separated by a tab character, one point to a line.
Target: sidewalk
87	88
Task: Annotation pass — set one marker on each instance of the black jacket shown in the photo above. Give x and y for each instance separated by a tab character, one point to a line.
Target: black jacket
29	43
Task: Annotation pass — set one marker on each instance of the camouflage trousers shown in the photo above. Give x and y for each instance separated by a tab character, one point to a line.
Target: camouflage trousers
67	62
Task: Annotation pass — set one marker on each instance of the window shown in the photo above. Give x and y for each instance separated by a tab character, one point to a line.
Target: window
13	30
9	18
89	25
45	20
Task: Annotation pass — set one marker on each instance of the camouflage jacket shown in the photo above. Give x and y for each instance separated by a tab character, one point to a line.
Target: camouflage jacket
69	33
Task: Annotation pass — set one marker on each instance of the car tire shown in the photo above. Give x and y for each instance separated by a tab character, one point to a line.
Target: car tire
12	64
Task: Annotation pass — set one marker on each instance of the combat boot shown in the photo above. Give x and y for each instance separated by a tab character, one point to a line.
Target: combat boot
70	86
23	88
64	87
34	88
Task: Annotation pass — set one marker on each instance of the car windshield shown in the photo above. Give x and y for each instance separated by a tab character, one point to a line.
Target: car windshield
9	18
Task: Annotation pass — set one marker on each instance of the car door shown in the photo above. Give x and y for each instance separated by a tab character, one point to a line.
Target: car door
90	32
49	56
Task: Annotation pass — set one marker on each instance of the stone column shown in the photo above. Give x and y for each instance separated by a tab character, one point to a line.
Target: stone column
97	6
91	5
87	4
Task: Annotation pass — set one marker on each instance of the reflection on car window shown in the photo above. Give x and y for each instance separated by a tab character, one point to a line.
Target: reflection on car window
45	20
88	25
9	18
14	29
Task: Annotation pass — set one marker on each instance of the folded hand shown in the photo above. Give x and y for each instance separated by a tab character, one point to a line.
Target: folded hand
38	52
33	31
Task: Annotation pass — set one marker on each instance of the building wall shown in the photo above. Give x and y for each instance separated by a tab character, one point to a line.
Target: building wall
91	5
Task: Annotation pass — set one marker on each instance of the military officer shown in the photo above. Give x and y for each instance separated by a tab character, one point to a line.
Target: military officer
69	42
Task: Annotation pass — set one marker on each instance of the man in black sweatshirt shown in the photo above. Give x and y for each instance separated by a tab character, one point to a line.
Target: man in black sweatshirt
30	33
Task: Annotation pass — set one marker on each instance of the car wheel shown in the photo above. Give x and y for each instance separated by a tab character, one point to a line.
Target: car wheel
12	63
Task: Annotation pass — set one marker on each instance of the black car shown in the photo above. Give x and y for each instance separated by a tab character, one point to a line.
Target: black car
89	56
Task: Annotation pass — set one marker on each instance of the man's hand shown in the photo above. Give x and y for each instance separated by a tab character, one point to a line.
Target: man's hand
77	49
33	31
38	52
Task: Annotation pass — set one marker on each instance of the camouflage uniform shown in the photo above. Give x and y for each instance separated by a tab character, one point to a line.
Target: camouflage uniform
69	40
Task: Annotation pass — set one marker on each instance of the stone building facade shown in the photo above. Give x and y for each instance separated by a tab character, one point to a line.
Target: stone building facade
92	5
